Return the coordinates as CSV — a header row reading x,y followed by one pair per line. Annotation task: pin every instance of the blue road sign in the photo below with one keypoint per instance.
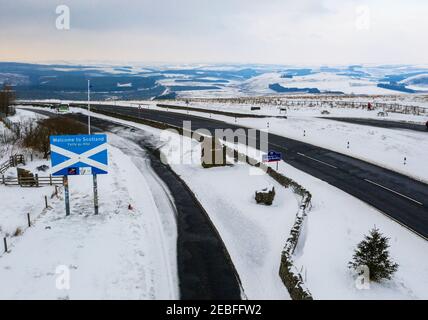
x,y
272,156
79,155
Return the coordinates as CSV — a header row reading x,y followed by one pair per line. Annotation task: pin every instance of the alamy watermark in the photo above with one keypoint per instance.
x,y
362,282
62,21
248,144
363,17
62,280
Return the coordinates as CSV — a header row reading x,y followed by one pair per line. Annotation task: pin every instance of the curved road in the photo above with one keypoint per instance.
x,y
382,123
403,199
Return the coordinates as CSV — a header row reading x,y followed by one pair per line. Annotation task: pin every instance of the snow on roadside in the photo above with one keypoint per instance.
x,y
24,116
115,255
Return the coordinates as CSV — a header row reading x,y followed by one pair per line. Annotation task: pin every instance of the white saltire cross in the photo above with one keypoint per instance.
x,y
83,157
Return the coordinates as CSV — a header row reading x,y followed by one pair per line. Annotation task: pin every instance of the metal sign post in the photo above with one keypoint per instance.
x,y
95,193
66,196
89,106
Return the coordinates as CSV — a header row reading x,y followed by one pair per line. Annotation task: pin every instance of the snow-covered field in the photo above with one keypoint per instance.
x,y
303,110
323,81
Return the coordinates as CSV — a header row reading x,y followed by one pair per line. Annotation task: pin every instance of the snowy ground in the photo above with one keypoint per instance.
x,y
119,254
24,116
323,81
18,202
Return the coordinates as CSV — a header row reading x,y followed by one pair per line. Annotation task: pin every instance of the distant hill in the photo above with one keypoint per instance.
x,y
69,81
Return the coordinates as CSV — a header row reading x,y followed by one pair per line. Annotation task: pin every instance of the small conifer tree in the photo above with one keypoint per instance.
x,y
373,253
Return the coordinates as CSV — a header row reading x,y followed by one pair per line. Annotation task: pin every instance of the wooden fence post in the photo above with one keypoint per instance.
x,y
50,179
46,202
37,179
28,219
5,244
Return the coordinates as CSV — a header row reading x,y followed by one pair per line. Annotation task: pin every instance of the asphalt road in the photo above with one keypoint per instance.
x,y
205,269
401,198
382,123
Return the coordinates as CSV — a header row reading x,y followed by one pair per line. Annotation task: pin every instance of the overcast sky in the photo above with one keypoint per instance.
x,y
303,32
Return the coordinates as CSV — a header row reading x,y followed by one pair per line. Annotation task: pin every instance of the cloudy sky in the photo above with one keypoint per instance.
x,y
304,32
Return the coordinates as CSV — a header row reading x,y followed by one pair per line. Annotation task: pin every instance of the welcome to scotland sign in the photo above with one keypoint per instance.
x,y
79,155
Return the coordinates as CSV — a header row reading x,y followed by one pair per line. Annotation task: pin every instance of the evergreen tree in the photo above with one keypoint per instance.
x,y
373,253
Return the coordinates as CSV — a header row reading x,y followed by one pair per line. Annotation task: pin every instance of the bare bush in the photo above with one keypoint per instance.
x,y
37,136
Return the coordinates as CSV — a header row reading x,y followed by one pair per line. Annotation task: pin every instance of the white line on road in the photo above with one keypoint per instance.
x,y
325,163
402,195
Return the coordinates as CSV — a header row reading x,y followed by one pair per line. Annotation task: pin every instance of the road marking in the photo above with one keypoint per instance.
x,y
325,163
402,195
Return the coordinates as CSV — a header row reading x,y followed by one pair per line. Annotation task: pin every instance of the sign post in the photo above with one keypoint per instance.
x,y
66,196
95,193
89,106
79,155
